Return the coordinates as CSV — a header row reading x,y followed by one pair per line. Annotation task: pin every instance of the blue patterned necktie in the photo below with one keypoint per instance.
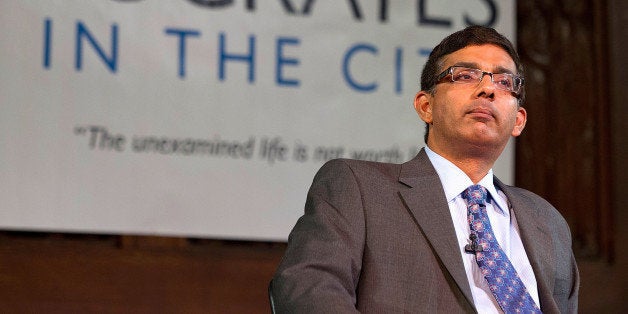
x,y
508,289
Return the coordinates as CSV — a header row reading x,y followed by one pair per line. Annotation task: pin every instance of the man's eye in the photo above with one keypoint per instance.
x,y
505,82
464,76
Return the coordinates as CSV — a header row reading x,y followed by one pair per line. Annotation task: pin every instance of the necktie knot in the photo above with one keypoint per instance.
x,y
475,194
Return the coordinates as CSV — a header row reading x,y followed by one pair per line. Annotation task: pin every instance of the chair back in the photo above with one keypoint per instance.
x,y
270,297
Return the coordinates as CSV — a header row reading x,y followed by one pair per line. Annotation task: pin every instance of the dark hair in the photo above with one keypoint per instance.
x,y
470,36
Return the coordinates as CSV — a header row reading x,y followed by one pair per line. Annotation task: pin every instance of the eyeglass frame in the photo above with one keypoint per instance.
x,y
515,78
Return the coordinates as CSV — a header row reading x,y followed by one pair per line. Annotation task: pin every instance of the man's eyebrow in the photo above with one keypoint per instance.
x,y
501,69
473,65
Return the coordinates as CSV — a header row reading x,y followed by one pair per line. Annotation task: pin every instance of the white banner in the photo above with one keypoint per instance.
x,y
206,118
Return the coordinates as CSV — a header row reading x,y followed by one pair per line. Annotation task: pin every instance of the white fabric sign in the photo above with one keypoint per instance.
x,y
206,118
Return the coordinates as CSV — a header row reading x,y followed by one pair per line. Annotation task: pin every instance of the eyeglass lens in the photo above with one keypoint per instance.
x,y
503,81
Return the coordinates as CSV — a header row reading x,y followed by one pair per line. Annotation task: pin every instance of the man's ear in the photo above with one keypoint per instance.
x,y
423,106
520,122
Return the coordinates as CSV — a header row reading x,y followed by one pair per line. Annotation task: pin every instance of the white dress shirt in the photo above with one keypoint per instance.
x,y
504,225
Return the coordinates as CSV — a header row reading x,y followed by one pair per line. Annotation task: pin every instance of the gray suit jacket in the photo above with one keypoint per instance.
x,y
378,238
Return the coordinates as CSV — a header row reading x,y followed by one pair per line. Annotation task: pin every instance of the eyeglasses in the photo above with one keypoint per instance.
x,y
502,81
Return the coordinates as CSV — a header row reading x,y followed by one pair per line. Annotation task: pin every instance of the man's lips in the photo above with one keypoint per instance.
x,y
481,113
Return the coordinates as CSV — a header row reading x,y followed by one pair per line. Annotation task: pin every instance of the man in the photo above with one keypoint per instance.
x,y
415,237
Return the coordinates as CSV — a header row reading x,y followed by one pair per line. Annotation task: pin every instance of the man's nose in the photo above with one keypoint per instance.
x,y
486,87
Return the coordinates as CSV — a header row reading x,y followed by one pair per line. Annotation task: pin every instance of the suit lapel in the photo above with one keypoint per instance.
x,y
427,203
536,238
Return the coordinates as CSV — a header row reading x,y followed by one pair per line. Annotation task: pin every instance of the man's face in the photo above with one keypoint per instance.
x,y
472,116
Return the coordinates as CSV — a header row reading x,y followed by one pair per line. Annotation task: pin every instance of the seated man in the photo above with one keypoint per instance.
x,y
439,233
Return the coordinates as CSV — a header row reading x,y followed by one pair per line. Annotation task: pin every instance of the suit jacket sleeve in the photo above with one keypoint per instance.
x,y
574,284
321,268
567,280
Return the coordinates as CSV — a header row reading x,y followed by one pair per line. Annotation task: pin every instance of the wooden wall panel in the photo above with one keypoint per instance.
x,y
574,149
563,154
52,273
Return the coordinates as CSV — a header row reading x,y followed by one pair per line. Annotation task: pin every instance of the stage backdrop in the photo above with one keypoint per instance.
x,y
206,118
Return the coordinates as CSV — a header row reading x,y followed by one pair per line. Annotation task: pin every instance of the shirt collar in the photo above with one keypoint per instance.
x,y
455,181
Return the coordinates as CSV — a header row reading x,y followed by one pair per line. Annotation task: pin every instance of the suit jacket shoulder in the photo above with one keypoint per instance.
x,y
374,237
